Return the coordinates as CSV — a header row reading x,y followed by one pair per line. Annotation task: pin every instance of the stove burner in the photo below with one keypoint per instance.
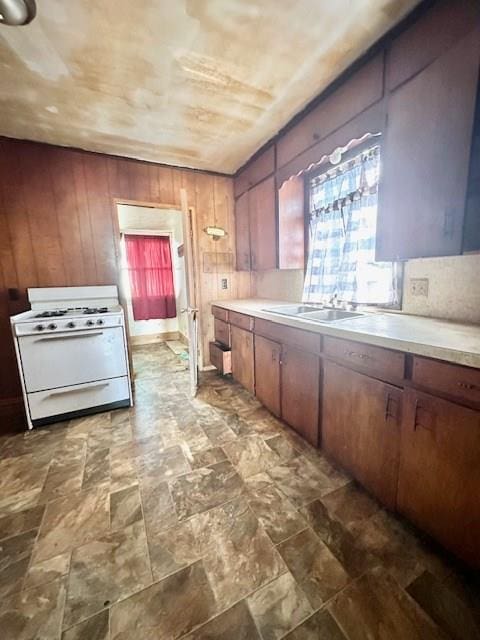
x,y
56,313
90,310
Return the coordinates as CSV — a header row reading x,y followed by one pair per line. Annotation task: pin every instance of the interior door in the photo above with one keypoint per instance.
x,y
191,310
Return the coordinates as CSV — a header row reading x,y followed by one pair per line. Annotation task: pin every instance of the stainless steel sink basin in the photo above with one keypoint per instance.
x,y
330,315
292,309
309,312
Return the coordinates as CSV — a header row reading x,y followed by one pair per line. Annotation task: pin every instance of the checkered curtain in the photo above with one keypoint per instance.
x,y
343,220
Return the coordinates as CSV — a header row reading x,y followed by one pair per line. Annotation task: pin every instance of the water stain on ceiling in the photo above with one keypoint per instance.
x,y
197,83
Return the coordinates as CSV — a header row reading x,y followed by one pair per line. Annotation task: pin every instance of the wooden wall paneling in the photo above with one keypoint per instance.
x,y
69,224
372,120
356,94
434,33
86,230
291,224
37,187
100,209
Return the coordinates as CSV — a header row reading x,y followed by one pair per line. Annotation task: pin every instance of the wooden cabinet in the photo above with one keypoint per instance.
x,y
361,428
291,224
255,228
242,233
256,171
267,373
243,358
222,332
263,226
439,475
300,385
426,157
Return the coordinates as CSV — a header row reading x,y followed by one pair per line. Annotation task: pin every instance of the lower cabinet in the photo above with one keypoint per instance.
x,y
439,475
243,357
361,428
267,373
300,384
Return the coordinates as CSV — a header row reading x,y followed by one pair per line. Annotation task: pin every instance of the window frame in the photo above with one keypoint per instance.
x,y
319,170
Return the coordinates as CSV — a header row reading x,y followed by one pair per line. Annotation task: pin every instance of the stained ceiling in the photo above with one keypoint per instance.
x,y
197,83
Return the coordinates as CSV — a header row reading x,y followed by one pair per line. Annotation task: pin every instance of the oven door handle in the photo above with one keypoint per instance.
x,y
62,392
69,336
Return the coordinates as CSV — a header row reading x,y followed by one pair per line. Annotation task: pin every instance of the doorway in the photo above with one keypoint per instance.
x,y
153,281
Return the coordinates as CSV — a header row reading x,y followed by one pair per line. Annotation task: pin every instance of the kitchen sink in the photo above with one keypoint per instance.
x,y
309,312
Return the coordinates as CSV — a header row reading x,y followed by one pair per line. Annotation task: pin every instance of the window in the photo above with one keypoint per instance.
x,y
342,229
150,274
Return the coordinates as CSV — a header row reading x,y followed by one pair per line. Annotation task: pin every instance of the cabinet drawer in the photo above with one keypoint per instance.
x,y
453,380
221,357
378,362
241,320
221,314
222,332
305,340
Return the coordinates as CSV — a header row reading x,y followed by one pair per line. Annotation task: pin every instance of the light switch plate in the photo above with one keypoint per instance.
x,y
224,283
419,287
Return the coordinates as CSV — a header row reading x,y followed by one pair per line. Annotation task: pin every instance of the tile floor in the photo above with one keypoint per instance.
x,y
207,519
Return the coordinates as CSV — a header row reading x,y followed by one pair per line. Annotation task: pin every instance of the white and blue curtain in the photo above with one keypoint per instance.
x,y
343,222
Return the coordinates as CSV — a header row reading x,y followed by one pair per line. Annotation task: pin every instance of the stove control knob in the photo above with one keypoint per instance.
x,y
39,327
100,321
70,325
90,323
52,326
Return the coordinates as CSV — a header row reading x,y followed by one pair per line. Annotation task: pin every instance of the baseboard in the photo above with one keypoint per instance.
x,y
183,338
136,341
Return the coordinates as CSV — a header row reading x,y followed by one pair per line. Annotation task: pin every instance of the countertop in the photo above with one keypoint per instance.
x,y
430,337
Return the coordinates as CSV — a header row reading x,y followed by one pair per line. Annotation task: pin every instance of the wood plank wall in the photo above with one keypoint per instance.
x,y
59,227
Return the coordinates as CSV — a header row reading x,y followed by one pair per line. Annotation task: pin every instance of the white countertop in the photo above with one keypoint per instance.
x,y
441,339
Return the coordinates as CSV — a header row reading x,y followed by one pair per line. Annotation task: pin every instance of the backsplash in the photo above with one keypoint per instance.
x,y
453,287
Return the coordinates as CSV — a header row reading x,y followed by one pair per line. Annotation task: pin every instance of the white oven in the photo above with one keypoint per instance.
x,y
72,353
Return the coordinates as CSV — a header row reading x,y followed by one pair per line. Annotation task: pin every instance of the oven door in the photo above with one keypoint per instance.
x,y
63,359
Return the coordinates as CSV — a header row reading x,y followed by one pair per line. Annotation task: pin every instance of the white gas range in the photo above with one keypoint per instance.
x,y
72,353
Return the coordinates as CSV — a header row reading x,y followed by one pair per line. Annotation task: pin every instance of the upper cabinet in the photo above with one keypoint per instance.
x,y
256,171
255,225
426,157
291,224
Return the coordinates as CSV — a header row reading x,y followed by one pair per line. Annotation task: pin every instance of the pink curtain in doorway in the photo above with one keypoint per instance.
x,y
149,263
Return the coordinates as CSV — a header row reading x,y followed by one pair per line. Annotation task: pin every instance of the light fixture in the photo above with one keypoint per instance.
x,y
16,13
215,232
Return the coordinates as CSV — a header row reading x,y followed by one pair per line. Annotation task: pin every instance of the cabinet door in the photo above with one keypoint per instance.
x,y
439,477
361,428
426,157
263,225
291,224
300,392
242,233
267,373
242,357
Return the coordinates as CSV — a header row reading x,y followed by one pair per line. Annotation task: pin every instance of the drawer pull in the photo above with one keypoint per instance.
x,y
416,423
467,385
388,413
354,354
63,392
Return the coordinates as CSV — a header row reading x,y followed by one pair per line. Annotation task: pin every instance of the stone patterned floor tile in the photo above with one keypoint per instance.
x,y
234,624
15,555
21,521
97,467
351,505
374,606
218,432
34,614
173,549
95,628
47,571
21,482
205,488
279,607
120,563
125,507
250,455
158,509
320,626
317,571
300,480
62,481
282,447
208,457
72,521
278,516
445,607
166,610
165,465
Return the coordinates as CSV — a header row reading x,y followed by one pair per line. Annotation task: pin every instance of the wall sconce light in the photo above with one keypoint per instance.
x,y
216,233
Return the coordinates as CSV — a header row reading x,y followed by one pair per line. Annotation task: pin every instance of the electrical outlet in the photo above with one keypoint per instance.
x,y
224,283
419,287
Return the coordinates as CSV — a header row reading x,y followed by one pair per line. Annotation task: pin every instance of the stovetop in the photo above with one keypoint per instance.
x,y
58,313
